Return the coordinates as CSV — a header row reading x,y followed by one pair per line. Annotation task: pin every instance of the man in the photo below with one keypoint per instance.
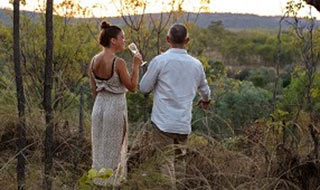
x,y
174,77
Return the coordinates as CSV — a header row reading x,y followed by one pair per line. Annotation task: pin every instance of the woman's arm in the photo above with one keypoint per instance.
x,y
92,82
130,82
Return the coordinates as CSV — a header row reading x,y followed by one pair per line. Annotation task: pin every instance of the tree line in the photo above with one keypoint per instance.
x,y
51,57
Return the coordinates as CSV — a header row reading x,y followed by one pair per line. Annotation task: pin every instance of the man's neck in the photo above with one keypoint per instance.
x,y
178,46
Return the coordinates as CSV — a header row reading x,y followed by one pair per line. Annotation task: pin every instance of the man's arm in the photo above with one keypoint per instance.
x,y
204,89
149,79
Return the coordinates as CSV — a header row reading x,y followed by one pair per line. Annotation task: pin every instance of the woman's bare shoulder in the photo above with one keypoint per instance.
x,y
94,59
121,62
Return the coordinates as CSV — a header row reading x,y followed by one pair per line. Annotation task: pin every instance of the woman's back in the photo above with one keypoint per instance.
x,y
105,75
102,65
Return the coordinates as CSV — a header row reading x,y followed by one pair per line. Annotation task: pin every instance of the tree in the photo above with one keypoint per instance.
x,y
315,3
142,29
48,144
21,130
133,13
306,75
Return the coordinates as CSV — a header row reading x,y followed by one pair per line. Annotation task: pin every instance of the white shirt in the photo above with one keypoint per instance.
x,y
174,77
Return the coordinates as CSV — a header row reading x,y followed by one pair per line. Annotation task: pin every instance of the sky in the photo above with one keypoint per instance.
x,y
258,7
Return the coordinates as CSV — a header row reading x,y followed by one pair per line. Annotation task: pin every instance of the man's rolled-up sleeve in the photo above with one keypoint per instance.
x,y
149,79
204,89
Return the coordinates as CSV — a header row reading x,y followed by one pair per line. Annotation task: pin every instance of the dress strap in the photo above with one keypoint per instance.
x,y
113,65
112,70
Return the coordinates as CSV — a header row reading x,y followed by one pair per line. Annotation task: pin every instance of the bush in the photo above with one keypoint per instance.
x,y
286,75
235,107
295,93
261,76
218,68
244,74
244,105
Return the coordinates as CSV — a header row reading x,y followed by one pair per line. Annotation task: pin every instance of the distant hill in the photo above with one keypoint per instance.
x,y
230,21
3,16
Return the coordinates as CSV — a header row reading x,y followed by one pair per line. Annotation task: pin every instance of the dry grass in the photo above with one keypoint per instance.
x,y
255,160
68,149
250,161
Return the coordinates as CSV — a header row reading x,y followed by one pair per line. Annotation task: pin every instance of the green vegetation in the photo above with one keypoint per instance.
x,y
250,138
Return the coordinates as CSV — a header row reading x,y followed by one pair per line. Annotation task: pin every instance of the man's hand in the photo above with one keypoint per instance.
x,y
204,104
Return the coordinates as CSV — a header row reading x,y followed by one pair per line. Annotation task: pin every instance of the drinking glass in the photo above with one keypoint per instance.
x,y
133,48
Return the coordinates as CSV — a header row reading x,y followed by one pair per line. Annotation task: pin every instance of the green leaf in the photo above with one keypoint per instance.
x,y
85,182
83,179
85,187
105,174
92,173
315,93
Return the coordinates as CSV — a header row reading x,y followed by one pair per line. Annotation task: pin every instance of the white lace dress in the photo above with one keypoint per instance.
x,y
109,128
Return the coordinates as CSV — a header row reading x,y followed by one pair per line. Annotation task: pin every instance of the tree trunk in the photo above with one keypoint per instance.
x,y
279,52
21,143
48,143
81,136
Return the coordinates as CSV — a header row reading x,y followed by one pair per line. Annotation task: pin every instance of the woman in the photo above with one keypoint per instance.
x,y
109,81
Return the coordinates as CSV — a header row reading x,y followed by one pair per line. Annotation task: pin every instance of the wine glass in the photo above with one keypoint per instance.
x,y
133,48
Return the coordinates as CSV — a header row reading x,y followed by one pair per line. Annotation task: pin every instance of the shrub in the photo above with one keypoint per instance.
x,y
235,107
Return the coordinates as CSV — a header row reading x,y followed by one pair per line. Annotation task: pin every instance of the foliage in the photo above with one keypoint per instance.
x,y
74,49
236,106
260,77
265,77
136,104
219,69
294,94
241,114
294,6
71,8
286,75
257,48
86,181
198,45
23,2
244,105
215,33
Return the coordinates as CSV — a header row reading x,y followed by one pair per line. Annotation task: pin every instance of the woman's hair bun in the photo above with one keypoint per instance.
x,y
104,25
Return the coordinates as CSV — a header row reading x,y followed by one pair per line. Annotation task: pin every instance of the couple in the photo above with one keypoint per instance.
x,y
174,77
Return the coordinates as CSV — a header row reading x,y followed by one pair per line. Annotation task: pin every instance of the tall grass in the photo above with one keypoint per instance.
x,y
254,159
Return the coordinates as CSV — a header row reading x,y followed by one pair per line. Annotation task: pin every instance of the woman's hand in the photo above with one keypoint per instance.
x,y
137,59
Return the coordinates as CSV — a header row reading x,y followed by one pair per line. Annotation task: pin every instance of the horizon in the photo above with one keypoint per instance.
x,y
233,13
109,8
